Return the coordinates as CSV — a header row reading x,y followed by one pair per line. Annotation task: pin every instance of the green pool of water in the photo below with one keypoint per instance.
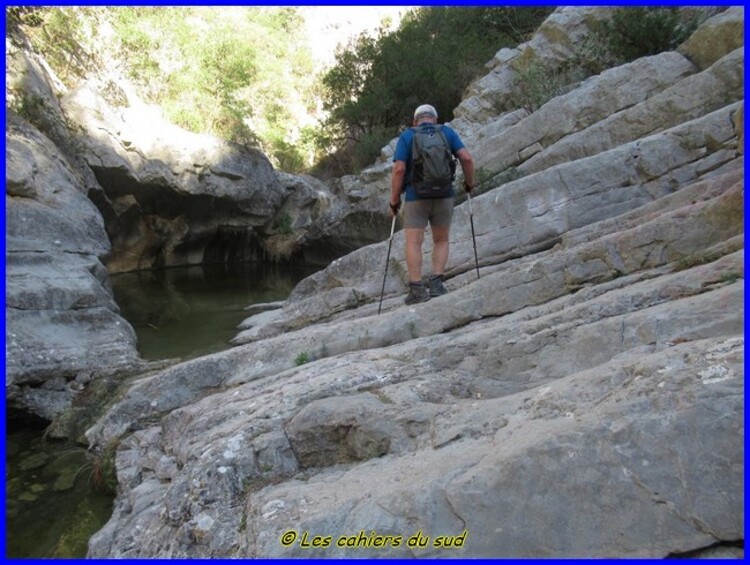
x,y
193,311
51,507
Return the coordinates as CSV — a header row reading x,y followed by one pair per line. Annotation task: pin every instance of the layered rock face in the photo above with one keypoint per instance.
x,y
91,190
583,398
63,326
170,197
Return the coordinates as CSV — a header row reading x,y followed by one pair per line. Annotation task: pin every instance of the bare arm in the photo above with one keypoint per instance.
x,y
467,165
397,183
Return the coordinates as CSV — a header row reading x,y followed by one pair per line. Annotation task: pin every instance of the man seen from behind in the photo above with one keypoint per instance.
x,y
425,205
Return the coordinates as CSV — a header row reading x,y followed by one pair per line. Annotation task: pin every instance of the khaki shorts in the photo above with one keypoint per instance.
x,y
436,211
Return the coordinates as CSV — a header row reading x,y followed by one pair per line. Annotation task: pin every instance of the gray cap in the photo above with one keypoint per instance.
x,y
425,110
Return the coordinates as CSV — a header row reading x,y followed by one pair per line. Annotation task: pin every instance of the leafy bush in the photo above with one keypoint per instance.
x,y
30,107
60,34
538,82
137,43
189,61
636,32
369,146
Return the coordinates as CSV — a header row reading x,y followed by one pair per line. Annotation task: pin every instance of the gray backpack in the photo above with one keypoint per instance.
x,y
433,164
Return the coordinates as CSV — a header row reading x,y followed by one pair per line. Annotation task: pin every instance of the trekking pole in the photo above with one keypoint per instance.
x,y
387,259
473,237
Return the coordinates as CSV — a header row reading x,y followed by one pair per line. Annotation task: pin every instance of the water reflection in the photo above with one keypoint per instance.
x,y
191,311
51,507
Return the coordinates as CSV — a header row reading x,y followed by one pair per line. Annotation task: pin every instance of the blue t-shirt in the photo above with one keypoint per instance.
x,y
403,153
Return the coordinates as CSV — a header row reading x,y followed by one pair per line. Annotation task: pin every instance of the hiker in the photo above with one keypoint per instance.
x,y
423,148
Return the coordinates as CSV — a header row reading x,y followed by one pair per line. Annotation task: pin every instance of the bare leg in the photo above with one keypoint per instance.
x,y
414,239
440,236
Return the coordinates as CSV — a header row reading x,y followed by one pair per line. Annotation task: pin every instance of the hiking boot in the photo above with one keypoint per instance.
x,y
417,293
437,288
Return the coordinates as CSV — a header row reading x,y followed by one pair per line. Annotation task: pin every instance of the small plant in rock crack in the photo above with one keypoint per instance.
x,y
284,224
103,470
302,358
382,396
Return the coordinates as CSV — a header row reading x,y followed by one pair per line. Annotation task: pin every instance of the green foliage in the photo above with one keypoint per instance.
x,y
369,145
103,470
29,106
62,35
379,79
283,224
302,358
197,63
242,74
538,82
17,16
635,32
137,43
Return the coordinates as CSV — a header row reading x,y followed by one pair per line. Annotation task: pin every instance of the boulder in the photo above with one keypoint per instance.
x,y
341,430
32,90
716,37
358,216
